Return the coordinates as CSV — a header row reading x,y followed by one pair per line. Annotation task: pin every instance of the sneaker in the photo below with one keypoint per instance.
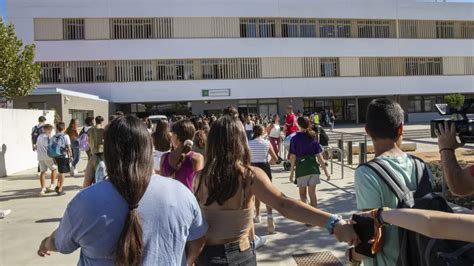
x,y
257,219
270,225
4,213
50,189
42,191
259,242
76,173
60,193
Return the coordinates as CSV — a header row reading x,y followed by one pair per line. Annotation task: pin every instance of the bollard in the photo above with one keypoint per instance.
x,y
349,152
362,153
340,145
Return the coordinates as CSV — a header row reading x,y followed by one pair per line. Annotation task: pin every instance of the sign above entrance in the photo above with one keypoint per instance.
x,y
216,93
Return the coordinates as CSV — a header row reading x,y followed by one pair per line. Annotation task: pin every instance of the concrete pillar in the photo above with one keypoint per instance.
x,y
357,109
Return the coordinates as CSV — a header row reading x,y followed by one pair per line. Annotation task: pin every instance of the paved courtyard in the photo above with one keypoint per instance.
x,y
34,216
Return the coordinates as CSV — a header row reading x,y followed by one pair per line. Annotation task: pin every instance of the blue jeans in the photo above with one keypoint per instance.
x,y
228,254
76,153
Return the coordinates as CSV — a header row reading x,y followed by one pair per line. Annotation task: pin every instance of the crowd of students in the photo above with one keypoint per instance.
x,y
190,192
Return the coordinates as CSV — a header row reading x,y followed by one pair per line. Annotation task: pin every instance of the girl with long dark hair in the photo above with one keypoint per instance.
x,y
132,218
306,158
161,142
225,189
72,132
182,163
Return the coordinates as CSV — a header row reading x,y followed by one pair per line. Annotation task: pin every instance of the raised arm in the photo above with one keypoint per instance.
x,y
459,180
296,210
432,223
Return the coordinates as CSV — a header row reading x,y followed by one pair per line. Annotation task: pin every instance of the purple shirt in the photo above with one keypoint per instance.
x,y
301,145
185,174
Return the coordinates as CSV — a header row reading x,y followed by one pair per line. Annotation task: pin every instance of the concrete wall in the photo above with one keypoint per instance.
x,y
99,107
63,103
16,152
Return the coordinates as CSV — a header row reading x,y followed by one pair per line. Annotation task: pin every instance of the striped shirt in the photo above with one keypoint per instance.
x,y
259,150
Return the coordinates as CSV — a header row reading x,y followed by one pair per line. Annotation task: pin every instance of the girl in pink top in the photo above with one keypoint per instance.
x,y
181,163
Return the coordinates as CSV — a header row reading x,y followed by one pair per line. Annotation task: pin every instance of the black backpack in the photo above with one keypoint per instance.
x,y
37,130
417,249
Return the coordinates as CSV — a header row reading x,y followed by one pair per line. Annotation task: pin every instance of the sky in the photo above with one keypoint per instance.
x,y
3,9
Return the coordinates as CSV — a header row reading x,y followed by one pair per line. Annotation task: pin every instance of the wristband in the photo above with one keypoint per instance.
x,y
331,223
379,216
446,149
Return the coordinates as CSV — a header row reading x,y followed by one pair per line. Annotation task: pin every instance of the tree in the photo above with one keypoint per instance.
x,y
455,101
19,74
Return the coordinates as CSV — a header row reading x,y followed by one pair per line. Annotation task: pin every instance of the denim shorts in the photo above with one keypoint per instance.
x,y
228,254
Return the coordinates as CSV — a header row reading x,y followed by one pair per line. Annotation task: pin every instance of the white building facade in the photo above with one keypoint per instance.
x,y
169,56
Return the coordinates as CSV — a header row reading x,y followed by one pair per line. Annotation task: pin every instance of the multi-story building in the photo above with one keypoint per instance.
x,y
200,56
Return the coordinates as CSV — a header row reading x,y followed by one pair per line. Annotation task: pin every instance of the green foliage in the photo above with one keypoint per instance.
x,y
19,74
454,101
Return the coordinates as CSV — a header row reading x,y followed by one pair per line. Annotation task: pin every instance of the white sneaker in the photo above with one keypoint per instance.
x,y
257,219
50,188
76,172
270,225
42,191
4,213
259,242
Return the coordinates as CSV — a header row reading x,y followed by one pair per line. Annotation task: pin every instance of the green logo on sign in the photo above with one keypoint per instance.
x,y
205,93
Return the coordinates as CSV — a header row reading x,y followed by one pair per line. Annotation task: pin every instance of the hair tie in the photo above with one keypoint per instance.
x,y
132,207
188,142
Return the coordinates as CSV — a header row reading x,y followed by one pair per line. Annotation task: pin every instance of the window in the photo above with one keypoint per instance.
x,y
429,66
467,30
381,66
51,72
132,70
408,29
212,69
444,29
414,104
37,105
425,103
78,72
334,28
373,29
175,70
81,115
253,27
184,70
298,28
132,28
73,29
328,67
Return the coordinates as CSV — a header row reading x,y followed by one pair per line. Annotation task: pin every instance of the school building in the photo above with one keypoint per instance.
x,y
163,56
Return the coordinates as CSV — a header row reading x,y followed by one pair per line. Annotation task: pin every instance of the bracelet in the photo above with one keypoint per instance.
x,y
379,216
331,223
446,149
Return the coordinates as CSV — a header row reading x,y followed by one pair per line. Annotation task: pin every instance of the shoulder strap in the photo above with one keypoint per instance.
x,y
386,174
423,178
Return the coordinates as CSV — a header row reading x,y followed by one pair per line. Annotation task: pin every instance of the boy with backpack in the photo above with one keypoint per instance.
x,y
60,150
44,161
36,131
385,126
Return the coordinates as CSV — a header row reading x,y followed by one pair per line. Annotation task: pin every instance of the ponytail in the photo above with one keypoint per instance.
x,y
304,124
128,157
187,147
310,133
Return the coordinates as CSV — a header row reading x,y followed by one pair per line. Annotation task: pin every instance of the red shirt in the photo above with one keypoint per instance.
x,y
290,123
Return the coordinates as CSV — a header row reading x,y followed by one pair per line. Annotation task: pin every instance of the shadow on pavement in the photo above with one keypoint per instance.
x,y
32,193
49,220
297,236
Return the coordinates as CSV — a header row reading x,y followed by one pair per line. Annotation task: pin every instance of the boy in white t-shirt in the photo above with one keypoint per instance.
x,y
44,161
